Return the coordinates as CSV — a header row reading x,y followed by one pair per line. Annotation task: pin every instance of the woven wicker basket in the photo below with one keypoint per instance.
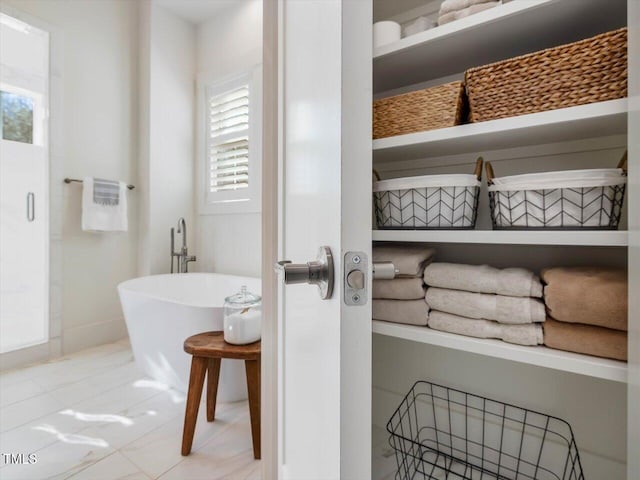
x,y
428,109
588,71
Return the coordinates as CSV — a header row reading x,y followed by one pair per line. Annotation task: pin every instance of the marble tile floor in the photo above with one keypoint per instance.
x,y
383,464
94,416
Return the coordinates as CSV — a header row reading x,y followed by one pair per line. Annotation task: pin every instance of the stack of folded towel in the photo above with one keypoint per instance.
x,y
588,310
401,300
451,10
485,302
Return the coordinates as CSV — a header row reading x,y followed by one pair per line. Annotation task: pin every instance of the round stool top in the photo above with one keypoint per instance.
x,y
212,344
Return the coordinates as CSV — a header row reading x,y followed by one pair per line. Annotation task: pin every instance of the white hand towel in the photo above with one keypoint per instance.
x,y
513,282
458,5
519,334
453,6
503,309
465,12
104,205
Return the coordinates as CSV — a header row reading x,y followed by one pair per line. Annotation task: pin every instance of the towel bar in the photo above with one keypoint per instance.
x,y
69,180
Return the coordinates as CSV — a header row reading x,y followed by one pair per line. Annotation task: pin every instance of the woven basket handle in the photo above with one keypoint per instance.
x,y
490,174
376,175
478,171
623,162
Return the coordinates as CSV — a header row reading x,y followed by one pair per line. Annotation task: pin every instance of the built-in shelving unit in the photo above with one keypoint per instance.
x,y
585,136
540,356
574,123
446,51
592,238
454,47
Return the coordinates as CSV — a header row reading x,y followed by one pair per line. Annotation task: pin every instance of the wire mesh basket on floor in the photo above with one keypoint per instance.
x,y
442,433
428,202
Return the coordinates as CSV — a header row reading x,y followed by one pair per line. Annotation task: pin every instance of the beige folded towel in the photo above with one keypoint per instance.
x,y
399,289
530,334
503,309
409,259
588,295
587,339
465,12
513,282
410,312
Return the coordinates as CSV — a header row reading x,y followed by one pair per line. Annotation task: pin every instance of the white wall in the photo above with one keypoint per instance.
x,y
230,43
98,138
167,90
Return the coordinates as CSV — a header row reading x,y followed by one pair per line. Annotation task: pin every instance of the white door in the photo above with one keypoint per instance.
x,y
24,173
324,199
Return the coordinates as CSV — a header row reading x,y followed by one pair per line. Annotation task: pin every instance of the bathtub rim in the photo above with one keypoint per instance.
x,y
126,287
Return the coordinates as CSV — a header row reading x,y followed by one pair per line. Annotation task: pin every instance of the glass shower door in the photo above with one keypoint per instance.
x,y
24,165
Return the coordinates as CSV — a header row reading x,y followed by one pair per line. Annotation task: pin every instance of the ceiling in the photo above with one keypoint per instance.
x,y
196,11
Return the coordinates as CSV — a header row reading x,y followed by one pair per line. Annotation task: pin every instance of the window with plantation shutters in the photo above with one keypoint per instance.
x,y
229,140
230,146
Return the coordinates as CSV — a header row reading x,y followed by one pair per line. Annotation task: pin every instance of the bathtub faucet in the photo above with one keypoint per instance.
x,y
182,256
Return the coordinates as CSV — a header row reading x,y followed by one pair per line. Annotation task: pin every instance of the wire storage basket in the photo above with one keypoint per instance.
x,y
571,200
428,202
442,433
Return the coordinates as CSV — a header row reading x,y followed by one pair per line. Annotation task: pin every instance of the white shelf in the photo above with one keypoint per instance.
x,y
539,356
574,123
595,238
512,29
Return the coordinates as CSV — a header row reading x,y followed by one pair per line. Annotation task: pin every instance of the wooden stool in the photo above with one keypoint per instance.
x,y
207,350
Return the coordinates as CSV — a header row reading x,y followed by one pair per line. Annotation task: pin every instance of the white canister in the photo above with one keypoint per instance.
x,y
242,318
386,32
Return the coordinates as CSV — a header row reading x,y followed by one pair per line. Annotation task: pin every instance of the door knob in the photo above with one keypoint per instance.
x,y
318,272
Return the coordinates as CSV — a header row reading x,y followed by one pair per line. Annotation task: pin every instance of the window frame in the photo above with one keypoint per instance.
x,y
245,200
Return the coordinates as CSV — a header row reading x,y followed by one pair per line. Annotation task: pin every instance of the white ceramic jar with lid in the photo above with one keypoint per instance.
x,y
242,317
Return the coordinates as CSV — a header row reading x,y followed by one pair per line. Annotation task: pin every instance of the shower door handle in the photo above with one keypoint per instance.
x,y
31,207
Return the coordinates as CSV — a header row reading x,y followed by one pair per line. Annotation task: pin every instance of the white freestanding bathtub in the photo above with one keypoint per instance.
x,y
161,311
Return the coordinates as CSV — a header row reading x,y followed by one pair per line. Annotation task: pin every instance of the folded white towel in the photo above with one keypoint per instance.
x,y
104,205
519,334
513,282
503,309
465,12
457,5
410,312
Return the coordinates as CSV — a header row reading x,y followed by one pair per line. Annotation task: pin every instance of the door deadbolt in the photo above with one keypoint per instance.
x,y
318,272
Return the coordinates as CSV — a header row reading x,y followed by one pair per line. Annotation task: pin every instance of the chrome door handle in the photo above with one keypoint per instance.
x,y
31,207
319,272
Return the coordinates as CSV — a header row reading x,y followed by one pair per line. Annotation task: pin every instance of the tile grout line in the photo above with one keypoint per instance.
x,y
182,459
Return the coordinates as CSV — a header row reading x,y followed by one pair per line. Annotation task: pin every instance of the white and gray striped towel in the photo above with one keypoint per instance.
x,y
106,192
104,205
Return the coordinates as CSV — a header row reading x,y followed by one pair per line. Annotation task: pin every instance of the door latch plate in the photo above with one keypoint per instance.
x,y
356,280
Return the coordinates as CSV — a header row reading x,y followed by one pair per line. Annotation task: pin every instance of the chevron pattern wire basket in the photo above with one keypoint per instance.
x,y
428,202
588,206
597,208
427,208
